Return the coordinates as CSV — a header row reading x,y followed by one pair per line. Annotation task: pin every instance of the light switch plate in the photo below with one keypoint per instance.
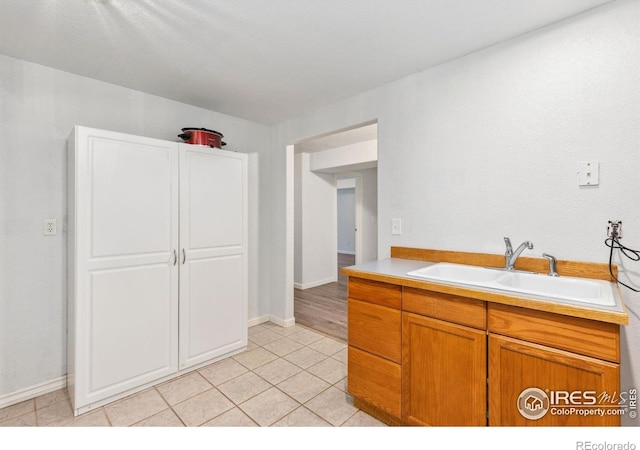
x,y
588,173
396,226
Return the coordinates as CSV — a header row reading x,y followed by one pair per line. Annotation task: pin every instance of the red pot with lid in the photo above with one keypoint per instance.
x,y
202,136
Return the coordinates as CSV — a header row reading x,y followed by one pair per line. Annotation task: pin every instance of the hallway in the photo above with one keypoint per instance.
x,y
324,308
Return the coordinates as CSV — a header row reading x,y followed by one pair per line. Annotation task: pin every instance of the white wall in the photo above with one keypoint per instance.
x,y
346,219
298,203
486,146
316,243
348,157
38,108
369,220
345,183
369,226
315,217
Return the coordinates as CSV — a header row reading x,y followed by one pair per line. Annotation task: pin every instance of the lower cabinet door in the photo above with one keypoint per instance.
x,y
444,376
213,318
375,380
535,385
129,333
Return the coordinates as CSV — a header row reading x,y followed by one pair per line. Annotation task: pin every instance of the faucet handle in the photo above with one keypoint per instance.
x,y
552,264
507,242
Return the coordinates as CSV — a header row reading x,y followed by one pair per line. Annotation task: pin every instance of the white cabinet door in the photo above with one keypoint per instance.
x,y
213,256
124,323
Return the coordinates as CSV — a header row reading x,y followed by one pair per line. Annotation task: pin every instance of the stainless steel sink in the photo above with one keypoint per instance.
x,y
572,289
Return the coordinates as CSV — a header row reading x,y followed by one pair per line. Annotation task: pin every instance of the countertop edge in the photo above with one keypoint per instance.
x,y
615,317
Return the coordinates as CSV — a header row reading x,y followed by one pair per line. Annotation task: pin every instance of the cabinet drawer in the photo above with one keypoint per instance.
x,y
375,380
375,328
460,310
383,294
582,336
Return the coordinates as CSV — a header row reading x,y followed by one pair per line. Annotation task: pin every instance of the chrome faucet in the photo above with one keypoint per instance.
x,y
552,264
510,256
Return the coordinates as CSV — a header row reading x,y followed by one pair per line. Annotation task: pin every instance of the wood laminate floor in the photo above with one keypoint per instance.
x,y
324,308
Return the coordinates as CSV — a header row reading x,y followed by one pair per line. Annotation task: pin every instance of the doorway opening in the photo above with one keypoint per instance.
x,y
346,224
334,223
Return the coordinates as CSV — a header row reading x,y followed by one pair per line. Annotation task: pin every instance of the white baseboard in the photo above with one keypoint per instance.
x,y
283,322
274,319
258,320
61,382
313,284
33,391
345,252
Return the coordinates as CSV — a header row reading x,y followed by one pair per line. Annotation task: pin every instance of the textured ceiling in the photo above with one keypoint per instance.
x,y
262,60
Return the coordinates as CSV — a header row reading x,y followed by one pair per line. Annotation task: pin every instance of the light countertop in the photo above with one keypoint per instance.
x,y
394,271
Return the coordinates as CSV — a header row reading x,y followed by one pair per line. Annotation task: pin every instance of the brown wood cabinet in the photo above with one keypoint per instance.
x,y
375,329
421,357
375,380
374,352
572,362
515,366
444,373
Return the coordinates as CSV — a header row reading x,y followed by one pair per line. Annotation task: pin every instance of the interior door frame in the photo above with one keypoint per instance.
x,y
289,252
359,199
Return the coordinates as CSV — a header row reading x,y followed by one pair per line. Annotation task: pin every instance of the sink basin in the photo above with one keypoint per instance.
x,y
572,289
578,289
459,273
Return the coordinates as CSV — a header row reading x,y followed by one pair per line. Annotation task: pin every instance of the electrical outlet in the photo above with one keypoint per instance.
x,y
50,227
615,226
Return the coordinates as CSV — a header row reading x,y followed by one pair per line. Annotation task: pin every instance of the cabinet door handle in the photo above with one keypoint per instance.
x,y
175,256
184,256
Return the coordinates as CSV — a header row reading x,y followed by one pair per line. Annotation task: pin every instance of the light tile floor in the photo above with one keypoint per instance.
x,y
287,377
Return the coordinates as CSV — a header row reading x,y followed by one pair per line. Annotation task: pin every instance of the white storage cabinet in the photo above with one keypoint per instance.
x,y
157,261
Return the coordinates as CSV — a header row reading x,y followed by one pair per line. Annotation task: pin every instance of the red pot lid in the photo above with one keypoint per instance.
x,y
205,130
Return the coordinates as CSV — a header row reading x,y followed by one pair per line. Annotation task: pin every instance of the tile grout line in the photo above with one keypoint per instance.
x,y
171,407
275,385
303,369
330,385
269,328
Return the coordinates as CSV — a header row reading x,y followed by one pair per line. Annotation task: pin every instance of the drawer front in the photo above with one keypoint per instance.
x,y
375,328
582,336
383,294
460,310
375,380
